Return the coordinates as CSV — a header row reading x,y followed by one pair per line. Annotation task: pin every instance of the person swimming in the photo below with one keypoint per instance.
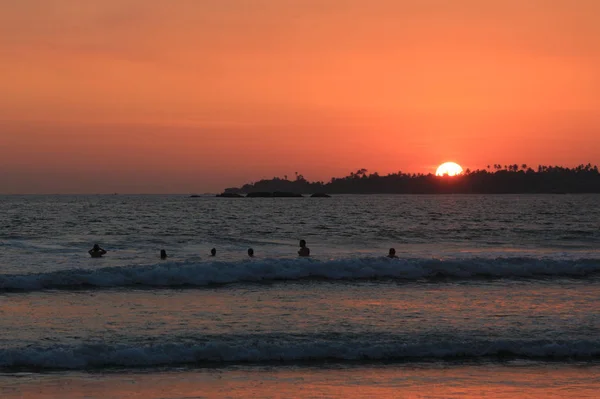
x,y
392,253
304,250
96,252
163,254
213,252
250,252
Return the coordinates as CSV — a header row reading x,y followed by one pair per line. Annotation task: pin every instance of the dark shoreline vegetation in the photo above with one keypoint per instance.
x,y
496,179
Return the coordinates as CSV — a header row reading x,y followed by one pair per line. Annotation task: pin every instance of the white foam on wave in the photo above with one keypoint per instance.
x,y
174,274
219,352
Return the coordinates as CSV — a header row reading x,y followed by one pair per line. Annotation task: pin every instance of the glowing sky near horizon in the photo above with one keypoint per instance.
x,y
130,96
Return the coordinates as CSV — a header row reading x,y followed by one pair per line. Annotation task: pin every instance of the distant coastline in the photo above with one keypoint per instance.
x,y
496,179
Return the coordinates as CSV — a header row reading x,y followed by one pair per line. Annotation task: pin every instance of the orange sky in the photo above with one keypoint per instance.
x,y
183,96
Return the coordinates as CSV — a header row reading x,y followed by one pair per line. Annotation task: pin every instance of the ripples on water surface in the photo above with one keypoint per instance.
x,y
484,285
42,233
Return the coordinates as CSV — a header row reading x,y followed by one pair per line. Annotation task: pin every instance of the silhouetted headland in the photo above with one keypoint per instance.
x,y
496,179
261,194
230,195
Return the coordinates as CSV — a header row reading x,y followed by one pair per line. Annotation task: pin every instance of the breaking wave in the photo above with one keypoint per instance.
x,y
309,349
199,274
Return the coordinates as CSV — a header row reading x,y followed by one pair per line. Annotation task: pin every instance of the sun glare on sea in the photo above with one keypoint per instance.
x,y
449,168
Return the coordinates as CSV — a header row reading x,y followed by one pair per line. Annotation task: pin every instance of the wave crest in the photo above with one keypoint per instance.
x,y
265,351
199,274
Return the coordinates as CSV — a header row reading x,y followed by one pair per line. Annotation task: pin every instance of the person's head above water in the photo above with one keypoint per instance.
x,y
304,251
96,251
163,254
213,252
392,253
250,252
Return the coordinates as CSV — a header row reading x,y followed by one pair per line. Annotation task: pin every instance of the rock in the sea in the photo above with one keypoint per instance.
x,y
286,194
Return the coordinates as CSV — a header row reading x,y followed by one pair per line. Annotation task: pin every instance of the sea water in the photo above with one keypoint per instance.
x,y
491,295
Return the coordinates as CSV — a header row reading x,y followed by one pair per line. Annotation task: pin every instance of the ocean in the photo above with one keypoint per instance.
x,y
490,296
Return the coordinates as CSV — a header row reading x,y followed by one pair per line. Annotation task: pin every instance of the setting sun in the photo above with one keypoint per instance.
x,y
449,168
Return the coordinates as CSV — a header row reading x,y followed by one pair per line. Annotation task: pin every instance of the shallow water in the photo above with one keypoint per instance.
x,y
502,381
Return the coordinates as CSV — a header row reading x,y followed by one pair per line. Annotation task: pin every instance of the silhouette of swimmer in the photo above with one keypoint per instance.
x,y
304,250
213,252
163,254
96,252
250,252
392,253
